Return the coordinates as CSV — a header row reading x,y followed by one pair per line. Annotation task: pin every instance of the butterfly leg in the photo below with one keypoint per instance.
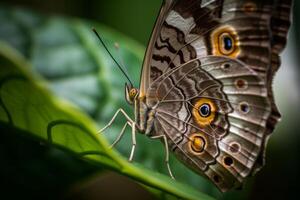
x,y
120,110
167,152
120,134
129,122
133,141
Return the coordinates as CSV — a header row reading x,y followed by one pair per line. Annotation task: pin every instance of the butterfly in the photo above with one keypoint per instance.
x,y
206,85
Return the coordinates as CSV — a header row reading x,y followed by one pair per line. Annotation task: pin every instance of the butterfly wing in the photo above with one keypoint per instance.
x,y
146,73
231,135
213,36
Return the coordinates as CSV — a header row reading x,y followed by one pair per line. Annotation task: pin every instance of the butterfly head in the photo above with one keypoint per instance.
x,y
131,93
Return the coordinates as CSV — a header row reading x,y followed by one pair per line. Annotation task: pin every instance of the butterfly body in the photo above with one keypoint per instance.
x,y
206,84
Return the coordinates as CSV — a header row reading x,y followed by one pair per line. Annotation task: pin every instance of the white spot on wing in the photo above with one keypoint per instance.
x,y
186,25
183,114
176,20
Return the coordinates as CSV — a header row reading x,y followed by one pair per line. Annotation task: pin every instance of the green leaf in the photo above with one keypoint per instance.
x,y
27,104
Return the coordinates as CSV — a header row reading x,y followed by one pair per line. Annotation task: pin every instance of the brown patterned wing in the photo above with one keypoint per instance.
x,y
234,47
146,73
225,144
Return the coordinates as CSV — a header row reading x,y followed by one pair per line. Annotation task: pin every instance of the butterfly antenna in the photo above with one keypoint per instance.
x,y
122,63
119,66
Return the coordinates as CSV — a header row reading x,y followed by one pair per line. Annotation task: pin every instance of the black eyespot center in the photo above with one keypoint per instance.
x,y
226,66
244,107
228,161
227,42
217,178
205,110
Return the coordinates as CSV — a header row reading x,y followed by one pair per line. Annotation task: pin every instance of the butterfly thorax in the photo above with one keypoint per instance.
x,y
143,115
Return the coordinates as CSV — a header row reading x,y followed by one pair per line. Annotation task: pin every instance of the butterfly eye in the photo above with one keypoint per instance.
x,y
204,110
132,92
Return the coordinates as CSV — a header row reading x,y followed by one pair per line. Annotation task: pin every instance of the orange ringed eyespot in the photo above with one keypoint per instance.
x,y
197,143
225,42
204,111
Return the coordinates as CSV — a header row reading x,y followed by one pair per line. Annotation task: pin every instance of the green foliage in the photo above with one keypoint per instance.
x,y
55,61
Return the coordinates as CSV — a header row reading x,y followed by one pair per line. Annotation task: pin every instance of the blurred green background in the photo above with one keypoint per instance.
x,y
33,171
